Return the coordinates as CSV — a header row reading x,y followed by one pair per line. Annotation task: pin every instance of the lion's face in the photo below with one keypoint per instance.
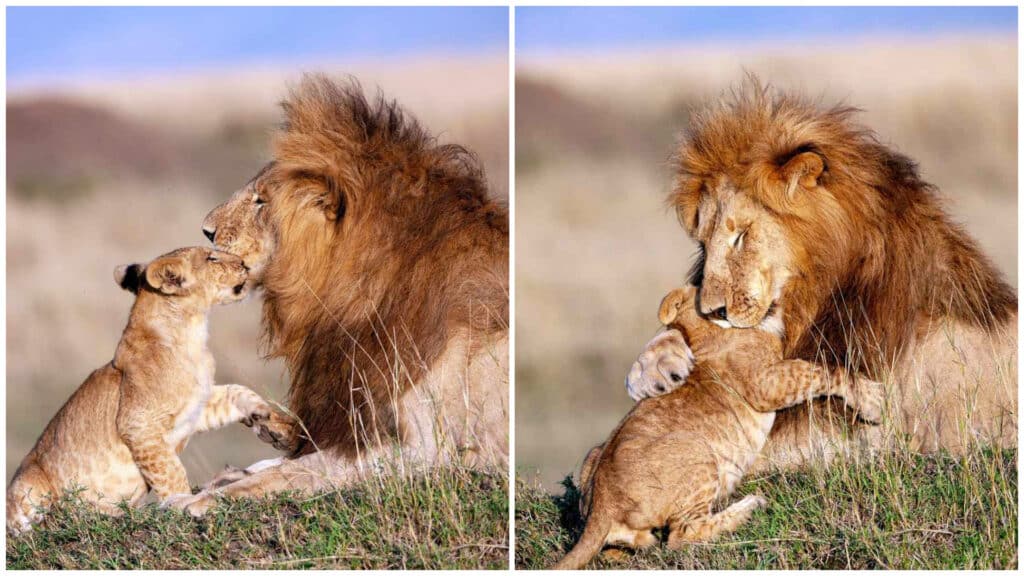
x,y
241,226
745,258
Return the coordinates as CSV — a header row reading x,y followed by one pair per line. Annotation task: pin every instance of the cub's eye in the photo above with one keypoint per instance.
x,y
259,201
738,242
212,259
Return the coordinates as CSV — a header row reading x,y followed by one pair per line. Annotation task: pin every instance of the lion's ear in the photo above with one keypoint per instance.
x,y
129,277
802,170
333,201
169,275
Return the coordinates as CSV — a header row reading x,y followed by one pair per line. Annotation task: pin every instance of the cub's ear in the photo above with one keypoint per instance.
x,y
128,277
673,302
169,275
802,169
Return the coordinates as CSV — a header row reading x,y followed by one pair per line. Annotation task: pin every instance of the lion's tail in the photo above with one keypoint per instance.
x,y
594,535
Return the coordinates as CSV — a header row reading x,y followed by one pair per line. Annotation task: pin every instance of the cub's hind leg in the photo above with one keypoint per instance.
x,y
623,535
156,459
30,491
710,527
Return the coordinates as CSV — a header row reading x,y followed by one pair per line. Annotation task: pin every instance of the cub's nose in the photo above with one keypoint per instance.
x,y
210,233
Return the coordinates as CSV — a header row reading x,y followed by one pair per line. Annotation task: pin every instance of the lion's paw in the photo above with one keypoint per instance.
x,y
228,475
177,501
200,504
662,367
197,505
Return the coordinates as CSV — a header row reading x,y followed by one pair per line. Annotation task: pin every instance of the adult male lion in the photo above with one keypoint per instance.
x,y
808,225
385,275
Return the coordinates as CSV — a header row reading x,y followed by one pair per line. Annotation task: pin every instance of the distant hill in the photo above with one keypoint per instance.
x,y
60,141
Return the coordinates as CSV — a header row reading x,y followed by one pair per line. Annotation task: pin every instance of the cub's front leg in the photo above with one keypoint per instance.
x,y
667,359
155,457
791,382
230,403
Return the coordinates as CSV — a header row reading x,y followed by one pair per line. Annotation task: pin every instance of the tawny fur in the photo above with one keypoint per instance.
x,y
861,267
675,458
243,224
120,433
388,274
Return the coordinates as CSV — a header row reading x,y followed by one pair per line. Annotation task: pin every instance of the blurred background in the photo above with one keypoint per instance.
x,y
601,94
125,126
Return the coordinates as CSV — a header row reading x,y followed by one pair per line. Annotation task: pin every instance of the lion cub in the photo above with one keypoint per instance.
x,y
120,433
674,457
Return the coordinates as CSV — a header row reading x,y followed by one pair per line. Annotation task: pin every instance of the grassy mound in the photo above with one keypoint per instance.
x,y
900,511
448,519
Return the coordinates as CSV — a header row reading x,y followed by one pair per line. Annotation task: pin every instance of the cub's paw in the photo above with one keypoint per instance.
x,y
615,555
279,430
868,399
661,368
257,412
752,502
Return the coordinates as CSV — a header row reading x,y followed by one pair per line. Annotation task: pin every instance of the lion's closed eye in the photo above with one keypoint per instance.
x,y
737,243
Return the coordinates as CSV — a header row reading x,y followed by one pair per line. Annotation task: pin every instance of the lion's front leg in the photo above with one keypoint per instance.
x,y
305,474
322,470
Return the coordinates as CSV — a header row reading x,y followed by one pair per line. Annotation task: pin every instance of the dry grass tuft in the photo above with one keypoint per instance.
x,y
446,519
902,511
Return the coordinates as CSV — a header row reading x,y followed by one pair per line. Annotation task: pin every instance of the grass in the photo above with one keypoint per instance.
x,y
447,519
901,511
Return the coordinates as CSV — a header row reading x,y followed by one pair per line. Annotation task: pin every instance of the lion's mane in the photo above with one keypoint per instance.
x,y
360,304
878,260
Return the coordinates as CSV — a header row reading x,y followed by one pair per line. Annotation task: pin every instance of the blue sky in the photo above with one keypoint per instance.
x,y
48,43
551,29
52,42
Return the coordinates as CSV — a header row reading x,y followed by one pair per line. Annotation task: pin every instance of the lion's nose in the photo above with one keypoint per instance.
x,y
210,233
719,313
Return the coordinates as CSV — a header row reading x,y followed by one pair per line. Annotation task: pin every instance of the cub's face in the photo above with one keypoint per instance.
x,y
241,226
199,275
708,339
745,259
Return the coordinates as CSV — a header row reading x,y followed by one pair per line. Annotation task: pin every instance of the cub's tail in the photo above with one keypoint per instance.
x,y
591,542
